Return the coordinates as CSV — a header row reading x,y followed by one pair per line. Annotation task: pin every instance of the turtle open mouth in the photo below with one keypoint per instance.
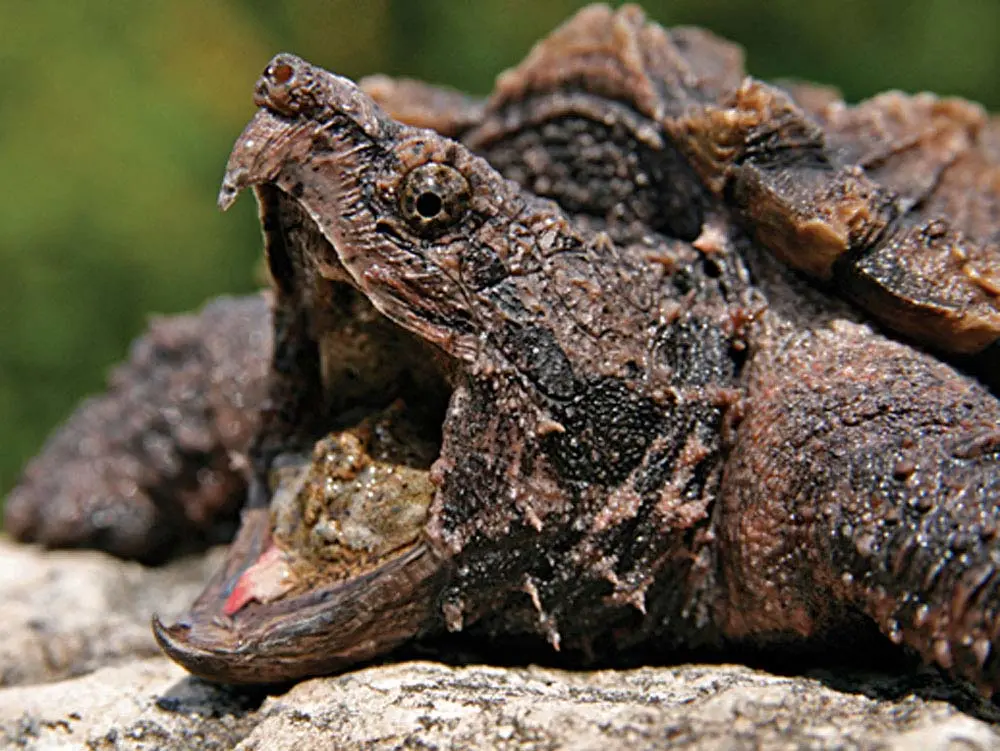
x,y
330,566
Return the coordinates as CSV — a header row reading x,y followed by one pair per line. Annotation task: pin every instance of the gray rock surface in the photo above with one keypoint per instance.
x,y
65,613
142,704
422,705
74,638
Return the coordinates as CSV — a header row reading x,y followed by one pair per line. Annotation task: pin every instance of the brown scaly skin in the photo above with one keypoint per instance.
x,y
157,465
655,432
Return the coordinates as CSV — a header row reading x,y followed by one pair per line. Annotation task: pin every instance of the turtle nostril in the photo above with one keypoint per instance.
x,y
279,88
282,73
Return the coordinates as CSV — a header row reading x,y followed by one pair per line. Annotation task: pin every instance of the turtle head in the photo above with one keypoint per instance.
x,y
412,219
334,563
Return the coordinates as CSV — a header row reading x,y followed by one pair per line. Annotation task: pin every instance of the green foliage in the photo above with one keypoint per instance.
x,y
116,119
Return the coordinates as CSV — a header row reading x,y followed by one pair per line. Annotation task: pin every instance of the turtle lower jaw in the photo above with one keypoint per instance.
x,y
320,631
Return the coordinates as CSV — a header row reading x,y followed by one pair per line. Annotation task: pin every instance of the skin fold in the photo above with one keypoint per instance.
x,y
638,351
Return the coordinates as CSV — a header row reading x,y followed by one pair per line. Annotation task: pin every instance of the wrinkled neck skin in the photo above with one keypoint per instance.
x,y
591,382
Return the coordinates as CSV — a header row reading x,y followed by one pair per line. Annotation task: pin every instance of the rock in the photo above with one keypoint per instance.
x,y
424,705
144,704
84,614
65,613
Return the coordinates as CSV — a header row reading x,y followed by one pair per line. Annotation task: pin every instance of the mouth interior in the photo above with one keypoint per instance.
x,y
355,494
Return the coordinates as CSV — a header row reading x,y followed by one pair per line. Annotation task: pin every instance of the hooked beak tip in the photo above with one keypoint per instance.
x,y
166,636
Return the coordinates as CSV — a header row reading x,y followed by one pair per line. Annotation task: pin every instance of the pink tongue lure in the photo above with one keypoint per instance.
x,y
265,581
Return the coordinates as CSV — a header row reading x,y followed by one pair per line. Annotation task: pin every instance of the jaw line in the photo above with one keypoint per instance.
x,y
316,633
266,157
263,151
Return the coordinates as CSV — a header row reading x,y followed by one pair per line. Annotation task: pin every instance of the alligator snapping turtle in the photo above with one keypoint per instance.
x,y
637,351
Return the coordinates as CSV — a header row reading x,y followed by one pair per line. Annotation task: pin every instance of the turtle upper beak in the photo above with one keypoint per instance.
x,y
265,145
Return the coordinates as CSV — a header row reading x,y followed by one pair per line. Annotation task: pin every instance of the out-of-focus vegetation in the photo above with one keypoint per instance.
x,y
116,119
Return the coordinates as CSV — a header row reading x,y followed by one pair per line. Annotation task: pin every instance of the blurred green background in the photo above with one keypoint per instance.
x,y
116,119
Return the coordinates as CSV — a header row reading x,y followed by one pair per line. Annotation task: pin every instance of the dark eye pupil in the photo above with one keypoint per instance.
x,y
433,198
429,205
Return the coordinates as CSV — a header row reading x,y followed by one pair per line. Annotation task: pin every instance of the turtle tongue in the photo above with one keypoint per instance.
x,y
266,580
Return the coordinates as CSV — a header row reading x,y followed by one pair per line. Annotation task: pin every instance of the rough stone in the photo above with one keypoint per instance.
x,y
65,613
424,705
143,704
75,637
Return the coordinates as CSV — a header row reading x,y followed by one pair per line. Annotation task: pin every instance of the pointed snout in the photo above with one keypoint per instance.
x,y
298,102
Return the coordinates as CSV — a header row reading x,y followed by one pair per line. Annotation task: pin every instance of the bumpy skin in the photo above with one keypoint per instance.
x,y
658,431
157,464
864,478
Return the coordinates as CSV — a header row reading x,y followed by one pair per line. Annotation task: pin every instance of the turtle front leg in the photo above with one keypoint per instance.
x,y
865,481
157,463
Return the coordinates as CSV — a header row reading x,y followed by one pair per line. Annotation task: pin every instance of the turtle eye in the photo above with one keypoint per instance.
x,y
433,197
